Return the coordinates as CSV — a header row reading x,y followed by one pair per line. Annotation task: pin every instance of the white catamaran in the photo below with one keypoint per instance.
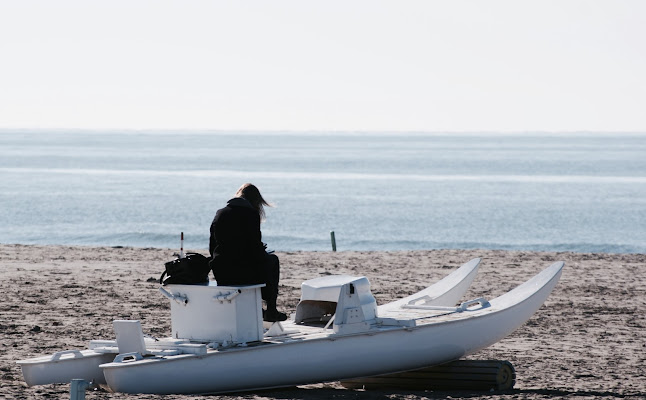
x,y
219,343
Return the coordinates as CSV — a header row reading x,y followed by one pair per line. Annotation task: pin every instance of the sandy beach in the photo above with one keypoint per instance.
x,y
587,341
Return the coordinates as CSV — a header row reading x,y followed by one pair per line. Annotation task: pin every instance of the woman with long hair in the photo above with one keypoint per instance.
x,y
239,256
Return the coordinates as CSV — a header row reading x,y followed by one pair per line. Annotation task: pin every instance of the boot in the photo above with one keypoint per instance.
x,y
272,314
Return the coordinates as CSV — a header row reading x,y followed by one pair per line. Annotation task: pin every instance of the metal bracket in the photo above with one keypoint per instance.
x,y
179,299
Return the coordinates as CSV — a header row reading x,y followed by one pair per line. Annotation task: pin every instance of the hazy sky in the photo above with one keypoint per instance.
x,y
327,65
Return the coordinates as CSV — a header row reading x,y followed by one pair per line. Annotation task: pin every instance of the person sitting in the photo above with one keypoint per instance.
x,y
238,255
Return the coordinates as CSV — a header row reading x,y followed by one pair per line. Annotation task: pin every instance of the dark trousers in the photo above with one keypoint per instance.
x,y
272,271
268,273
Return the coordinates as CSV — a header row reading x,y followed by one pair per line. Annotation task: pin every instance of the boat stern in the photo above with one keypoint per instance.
x,y
63,366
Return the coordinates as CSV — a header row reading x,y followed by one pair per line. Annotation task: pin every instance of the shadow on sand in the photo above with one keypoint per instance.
x,y
300,393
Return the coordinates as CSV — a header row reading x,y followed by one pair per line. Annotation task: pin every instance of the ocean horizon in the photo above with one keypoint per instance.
x,y
579,191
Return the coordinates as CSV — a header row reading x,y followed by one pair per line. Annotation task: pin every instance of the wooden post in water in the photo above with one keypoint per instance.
x,y
181,246
333,240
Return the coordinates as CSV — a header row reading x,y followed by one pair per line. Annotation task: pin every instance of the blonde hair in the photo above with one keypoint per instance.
x,y
251,193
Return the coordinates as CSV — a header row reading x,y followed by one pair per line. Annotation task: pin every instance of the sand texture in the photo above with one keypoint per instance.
x,y
587,341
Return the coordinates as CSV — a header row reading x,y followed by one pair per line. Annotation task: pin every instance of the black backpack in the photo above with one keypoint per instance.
x,y
190,270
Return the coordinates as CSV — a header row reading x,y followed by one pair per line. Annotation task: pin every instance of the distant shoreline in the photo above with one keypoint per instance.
x,y
206,251
195,131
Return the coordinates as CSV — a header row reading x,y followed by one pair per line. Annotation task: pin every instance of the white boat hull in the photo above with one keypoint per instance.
x,y
63,366
446,292
293,361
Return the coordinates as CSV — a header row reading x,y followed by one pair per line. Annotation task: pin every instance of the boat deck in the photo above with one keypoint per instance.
x,y
388,320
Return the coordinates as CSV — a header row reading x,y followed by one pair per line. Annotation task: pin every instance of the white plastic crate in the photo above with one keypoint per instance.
x,y
211,313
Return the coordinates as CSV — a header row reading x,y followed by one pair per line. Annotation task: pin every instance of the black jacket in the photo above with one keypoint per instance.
x,y
236,247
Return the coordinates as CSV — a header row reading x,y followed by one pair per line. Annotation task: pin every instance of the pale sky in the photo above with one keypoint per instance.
x,y
326,65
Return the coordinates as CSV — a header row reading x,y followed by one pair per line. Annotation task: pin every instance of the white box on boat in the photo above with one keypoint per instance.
x,y
212,313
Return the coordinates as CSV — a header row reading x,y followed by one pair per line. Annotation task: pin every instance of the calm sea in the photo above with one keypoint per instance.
x,y
377,191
